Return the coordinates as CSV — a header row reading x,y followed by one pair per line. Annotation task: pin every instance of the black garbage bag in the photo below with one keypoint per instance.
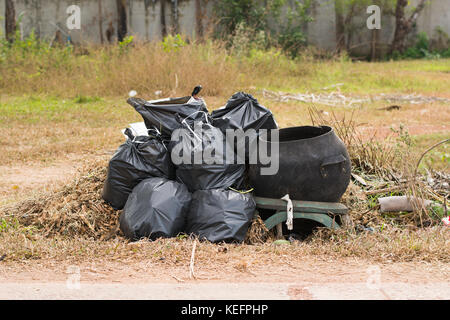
x,y
212,176
220,215
243,111
138,158
161,114
189,153
156,208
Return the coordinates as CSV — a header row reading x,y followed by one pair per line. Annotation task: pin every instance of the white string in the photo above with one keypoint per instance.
x,y
290,212
192,131
204,113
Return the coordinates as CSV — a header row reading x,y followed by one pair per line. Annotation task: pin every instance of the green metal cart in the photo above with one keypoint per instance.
x,y
324,213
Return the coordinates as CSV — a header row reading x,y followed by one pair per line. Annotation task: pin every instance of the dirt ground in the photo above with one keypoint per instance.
x,y
314,278
16,180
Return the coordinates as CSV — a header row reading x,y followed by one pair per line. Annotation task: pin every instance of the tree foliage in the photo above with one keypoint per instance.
x,y
279,22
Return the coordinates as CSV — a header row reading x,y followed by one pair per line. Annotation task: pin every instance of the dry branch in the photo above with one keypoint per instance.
x,y
337,99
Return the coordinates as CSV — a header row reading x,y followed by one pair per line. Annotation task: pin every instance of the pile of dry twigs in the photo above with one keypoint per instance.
x,y
336,98
76,209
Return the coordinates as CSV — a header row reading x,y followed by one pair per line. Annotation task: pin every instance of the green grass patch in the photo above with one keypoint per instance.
x,y
91,111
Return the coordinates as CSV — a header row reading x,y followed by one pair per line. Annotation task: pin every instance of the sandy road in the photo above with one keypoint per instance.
x,y
313,279
226,291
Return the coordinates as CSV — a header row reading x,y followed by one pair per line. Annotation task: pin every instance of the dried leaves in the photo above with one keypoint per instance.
x,y
76,209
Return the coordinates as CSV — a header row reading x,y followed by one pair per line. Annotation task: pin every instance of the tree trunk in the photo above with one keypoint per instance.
x,y
175,24
344,19
10,20
100,20
340,25
163,18
404,25
199,18
122,21
374,44
348,28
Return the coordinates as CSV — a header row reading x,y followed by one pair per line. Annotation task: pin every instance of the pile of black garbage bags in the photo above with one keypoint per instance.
x,y
163,198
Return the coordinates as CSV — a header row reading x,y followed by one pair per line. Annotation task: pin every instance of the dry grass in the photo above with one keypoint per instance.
x,y
75,210
367,153
258,232
381,167
42,129
109,71
388,245
147,67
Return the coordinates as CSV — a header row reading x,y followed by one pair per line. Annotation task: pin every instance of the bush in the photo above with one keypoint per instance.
x,y
257,24
421,50
173,43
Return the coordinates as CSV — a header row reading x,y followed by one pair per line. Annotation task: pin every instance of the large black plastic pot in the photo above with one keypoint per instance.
x,y
314,165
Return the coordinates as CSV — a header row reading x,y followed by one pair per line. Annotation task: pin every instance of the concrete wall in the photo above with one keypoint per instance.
x,y
42,16
144,20
321,31
435,14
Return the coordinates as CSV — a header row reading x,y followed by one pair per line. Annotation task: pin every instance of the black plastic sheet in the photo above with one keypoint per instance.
x,y
161,114
156,208
135,160
220,215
